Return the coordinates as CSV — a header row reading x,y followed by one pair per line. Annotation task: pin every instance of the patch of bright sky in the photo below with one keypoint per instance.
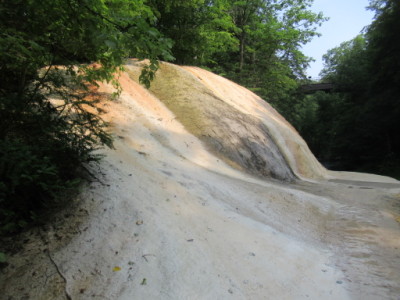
x,y
347,18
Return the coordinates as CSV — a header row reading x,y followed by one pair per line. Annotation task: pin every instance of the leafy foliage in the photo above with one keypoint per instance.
x,y
270,34
47,84
199,28
356,128
253,42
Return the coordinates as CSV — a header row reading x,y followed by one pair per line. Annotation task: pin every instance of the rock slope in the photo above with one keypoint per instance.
x,y
187,206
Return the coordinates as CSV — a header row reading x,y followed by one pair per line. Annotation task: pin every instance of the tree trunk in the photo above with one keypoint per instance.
x,y
242,41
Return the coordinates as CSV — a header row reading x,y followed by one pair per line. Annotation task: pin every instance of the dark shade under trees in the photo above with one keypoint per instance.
x,y
357,126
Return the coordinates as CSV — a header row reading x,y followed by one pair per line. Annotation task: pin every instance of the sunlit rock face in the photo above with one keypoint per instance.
x,y
235,124
167,219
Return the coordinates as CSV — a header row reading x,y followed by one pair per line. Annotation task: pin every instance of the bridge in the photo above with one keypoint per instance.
x,y
315,87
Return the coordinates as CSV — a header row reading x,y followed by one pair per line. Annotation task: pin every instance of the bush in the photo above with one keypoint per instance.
x,y
41,150
47,133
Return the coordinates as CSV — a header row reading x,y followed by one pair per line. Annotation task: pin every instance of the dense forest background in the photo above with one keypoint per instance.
x,y
47,47
356,127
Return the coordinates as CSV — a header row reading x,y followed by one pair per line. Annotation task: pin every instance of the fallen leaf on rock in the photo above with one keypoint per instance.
x,y
116,269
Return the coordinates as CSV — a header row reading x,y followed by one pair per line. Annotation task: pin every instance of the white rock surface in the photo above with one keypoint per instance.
x,y
174,221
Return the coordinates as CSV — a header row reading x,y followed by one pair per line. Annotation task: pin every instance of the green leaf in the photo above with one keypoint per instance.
x,y
3,257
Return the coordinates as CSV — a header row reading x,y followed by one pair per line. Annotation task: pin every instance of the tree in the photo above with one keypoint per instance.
x,y
199,28
253,42
364,111
383,107
347,65
270,34
46,51
245,15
